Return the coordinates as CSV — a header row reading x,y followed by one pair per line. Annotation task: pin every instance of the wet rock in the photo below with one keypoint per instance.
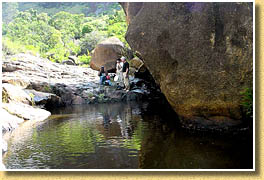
x,y
140,91
136,82
87,94
214,123
133,95
200,54
115,95
78,100
106,53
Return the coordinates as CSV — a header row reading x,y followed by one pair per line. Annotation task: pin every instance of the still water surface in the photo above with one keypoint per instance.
x,y
122,135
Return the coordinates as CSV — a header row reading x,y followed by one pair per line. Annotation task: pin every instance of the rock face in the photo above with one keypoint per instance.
x,y
200,54
131,10
106,53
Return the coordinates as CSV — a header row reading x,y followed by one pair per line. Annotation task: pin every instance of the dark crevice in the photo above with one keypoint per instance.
x,y
219,26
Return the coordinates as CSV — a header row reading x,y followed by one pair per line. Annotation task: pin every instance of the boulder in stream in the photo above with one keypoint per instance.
x,y
106,53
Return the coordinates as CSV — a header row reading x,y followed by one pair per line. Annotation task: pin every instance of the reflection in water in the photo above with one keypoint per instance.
x,y
121,135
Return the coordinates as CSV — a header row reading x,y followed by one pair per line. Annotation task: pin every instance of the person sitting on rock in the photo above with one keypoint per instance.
x,y
102,75
107,81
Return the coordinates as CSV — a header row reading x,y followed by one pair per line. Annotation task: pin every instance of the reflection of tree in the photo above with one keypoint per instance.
x,y
55,144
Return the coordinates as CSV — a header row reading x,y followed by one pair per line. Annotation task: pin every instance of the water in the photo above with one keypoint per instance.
x,y
119,136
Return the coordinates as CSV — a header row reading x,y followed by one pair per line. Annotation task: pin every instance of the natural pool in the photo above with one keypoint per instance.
x,y
122,136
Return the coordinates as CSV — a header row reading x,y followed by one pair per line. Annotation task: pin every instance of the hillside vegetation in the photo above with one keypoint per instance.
x,y
57,30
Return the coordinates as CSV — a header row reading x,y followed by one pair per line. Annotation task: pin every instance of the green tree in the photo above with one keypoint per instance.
x,y
68,24
87,28
58,34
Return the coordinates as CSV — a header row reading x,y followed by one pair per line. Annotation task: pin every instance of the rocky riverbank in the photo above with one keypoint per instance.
x,y
52,84
32,85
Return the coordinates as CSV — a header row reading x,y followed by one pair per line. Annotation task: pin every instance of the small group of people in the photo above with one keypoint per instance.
x,y
122,71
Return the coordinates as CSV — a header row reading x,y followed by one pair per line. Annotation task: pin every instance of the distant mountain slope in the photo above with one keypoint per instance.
x,y
51,8
87,8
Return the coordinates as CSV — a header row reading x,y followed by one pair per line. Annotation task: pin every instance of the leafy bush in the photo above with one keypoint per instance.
x,y
247,102
60,53
74,49
10,48
87,28
85,59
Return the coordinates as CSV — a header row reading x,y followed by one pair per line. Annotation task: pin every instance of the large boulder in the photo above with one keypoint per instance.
x,y
106,53
200,54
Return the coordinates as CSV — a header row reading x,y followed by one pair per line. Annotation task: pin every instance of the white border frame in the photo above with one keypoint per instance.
x,y
149,170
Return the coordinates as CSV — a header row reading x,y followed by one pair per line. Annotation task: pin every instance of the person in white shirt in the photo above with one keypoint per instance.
x,y
119,74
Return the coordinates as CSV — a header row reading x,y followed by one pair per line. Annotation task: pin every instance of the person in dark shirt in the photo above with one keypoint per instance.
x,y
125,73
102,75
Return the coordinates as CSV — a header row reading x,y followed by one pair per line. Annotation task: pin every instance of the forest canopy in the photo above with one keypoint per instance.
x,y
57,30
